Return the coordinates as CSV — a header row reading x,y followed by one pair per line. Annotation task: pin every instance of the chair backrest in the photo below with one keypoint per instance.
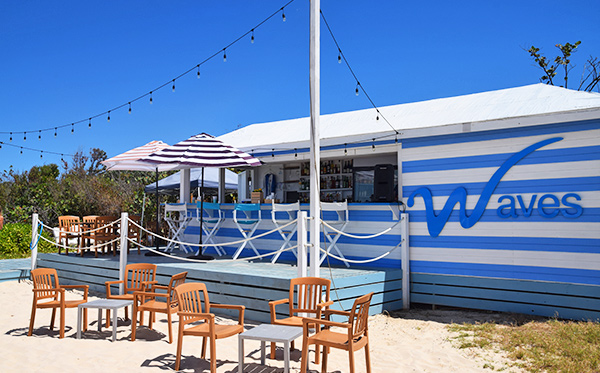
x,y
172,208
176,280
90,218
92,221
290,208
307,292
212,209
136,274
68,223
45,279
191,296
104,222
247,209
359,316
340,207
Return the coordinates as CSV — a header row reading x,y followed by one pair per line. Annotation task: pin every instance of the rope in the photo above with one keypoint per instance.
x,y
89,231
212,244
31,244
80,248
359,237
361,261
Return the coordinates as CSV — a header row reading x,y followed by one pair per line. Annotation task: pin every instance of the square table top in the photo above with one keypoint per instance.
x,y
273,333
107,303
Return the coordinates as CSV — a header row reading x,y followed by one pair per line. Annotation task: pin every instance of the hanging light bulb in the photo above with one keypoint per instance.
x,y
198,73
252,38
339,56
345,149
24,136
11,136
90,123
295,153
55,131
283,14
21,150
61,158
150,97
173,85
40,135
373,146
356,90
108,117
129,107
41,154
272,153
224,55
72,127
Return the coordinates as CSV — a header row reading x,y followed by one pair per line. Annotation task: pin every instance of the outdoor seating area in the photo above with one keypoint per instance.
x,y
308,304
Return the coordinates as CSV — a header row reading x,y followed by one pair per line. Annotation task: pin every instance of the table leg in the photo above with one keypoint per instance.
x,y
240,354
286,357
99,319
262,352
79,309
114,333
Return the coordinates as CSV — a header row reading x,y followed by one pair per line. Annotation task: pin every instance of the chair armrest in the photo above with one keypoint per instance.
x,y
232,307
85,288
336,312
272,305
109,283
309,320
195,316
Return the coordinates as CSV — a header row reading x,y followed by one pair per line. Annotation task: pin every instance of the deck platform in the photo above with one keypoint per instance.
x,y
252,284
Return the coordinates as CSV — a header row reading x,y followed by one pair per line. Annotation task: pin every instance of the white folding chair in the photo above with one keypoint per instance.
x,y
212,218
291,210
246,223
177,219
341,208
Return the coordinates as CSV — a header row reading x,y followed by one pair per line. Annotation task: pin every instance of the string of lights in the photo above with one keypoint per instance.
x,y
42,152
358,85
149,94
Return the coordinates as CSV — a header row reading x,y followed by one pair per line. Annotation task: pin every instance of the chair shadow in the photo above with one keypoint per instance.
x,y
188,363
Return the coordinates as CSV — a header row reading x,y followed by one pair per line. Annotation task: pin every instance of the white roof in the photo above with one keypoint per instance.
x,y
522,102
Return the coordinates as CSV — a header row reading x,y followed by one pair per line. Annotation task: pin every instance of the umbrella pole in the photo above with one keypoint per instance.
x,y
201,209
157,210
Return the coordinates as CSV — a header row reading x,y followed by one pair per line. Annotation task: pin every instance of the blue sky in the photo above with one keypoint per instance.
x,y
66,61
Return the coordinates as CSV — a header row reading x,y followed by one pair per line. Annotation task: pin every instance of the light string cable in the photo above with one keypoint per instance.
x,y
36,150
128,103
358,84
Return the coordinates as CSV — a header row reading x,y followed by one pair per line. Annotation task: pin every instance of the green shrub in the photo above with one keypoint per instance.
x,y
15,239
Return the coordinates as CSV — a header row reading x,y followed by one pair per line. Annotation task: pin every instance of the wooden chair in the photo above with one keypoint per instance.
x,y
134,233
312,296
68,226
88,232
191,296
356,337
46,286
148,302
106,232
138,277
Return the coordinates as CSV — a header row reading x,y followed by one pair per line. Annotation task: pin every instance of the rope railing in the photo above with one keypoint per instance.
x,y
361,261
80,233
211,244
93,247
359,237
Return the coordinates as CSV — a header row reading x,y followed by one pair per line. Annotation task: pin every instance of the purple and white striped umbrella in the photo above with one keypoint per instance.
x,y
202,150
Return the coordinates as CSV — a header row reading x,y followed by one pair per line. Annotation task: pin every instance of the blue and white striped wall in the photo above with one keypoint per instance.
x,y
529,259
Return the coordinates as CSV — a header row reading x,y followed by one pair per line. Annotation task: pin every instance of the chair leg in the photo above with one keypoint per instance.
x,y
170,332
133,321
350,359
272,350
33,308
126,315
52,319
368,358
304,359
150,319
213,355
62,322
203,356
324,365
179,345
108,318
317,355
85,319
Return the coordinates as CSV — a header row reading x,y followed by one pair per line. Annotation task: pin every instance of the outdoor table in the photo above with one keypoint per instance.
x,y
102,304
269,333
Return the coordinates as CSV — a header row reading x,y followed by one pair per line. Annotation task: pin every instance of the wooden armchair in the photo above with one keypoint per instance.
x,y
148,302
312,297
68,226
191,296
356,337
134,233
138,277
46,286
108,231
88,232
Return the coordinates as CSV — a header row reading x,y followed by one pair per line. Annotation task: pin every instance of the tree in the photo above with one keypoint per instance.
x,y
590,77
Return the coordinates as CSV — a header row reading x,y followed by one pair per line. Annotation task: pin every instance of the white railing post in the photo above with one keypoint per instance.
x,y
123,253
405,258
34,240
302,235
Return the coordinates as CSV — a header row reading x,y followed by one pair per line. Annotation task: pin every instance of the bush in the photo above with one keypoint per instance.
x,y
15,240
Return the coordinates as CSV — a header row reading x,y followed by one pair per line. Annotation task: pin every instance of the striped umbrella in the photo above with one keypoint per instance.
x,y
202,150
130,160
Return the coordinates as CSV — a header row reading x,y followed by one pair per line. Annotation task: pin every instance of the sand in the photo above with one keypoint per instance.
x,y
405,341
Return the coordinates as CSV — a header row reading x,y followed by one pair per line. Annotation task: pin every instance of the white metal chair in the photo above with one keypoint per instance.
x,y
291,210
246,224
212,218
341,208
177,219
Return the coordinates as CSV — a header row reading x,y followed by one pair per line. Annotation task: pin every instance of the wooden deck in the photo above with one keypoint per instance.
x,y
252,284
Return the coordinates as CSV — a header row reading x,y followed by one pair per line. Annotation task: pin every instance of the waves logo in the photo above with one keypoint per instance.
x,y
437,221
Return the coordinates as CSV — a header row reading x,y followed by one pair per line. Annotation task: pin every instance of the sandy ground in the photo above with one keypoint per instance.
x,y
405,341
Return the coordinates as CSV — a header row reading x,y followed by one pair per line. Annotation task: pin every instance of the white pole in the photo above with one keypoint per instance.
x,y
184,186
315,141
302,235
405,258
34,240
123,253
